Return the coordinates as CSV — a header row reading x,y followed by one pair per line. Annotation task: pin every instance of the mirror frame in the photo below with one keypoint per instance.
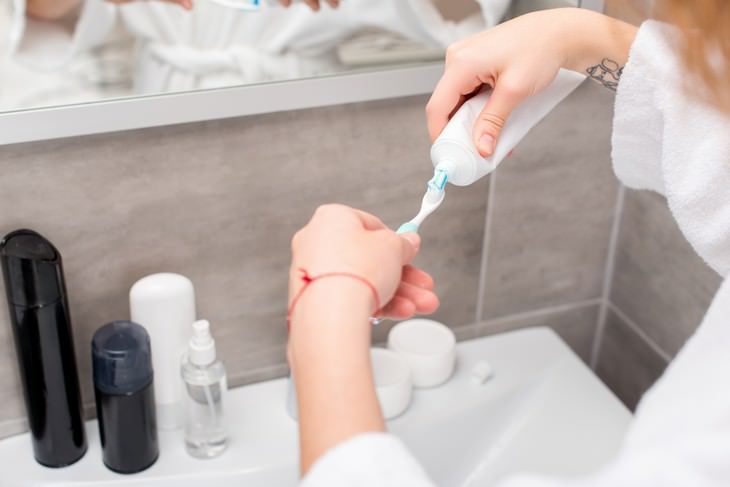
x,y
196,106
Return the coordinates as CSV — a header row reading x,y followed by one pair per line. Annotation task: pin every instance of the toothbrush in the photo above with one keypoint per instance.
x,y
433,198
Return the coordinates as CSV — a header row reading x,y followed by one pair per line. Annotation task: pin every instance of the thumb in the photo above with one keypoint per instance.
x,y
504,99
411,242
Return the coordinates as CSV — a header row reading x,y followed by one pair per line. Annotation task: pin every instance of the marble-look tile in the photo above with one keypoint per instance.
x,y
626,363
553,210
576,325
659,281
219,202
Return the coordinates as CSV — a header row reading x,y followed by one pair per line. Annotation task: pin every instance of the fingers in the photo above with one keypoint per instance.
x,y
313,4
369,221
398,309
285,3
417,277
408,301
410,243
333,3
451,91
425,301
507,95
343,214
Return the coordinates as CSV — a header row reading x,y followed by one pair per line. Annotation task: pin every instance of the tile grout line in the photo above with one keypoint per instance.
x,y
637,329
489,216
538,312
608,276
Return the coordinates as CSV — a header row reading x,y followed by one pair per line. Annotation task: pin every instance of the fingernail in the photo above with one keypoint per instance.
x,y
413,238
486,144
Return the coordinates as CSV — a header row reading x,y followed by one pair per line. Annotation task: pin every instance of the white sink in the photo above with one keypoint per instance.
x,y
543,411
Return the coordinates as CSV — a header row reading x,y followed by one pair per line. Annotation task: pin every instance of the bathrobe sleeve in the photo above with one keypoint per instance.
x,y
49,46
368,460
667,141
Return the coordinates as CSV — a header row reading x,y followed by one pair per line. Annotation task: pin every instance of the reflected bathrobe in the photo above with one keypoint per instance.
x,y
215,46
680,436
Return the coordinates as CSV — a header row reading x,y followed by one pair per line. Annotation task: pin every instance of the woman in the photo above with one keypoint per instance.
x,y
206,45
671,135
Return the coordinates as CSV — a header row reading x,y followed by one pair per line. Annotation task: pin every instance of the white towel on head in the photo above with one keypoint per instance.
x,y
667,142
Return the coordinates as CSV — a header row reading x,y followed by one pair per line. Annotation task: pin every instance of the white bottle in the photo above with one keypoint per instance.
x,y
454,154
165,305
206,386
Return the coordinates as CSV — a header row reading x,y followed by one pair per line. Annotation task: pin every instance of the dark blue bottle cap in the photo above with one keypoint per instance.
x,y
121,358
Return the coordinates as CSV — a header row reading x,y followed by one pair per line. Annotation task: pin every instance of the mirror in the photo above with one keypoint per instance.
x,y
67,52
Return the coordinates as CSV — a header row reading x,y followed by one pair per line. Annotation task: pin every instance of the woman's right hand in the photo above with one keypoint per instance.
x,y
519,58
342,239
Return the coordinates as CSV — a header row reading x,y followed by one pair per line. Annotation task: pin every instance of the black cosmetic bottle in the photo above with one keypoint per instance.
x,y
125,400
36,292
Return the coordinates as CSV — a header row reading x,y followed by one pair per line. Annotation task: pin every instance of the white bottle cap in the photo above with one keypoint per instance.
x,y
201,349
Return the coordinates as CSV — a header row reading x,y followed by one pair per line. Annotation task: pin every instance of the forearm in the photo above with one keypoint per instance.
x,y
329,352
51,9
597,45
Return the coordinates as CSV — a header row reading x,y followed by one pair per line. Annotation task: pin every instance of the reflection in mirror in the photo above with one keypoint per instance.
x,y
59,52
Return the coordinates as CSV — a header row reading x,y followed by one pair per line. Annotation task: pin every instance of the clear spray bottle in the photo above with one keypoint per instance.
x,y
205,387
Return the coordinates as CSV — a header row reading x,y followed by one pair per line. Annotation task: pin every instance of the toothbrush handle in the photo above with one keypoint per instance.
x,y
407,227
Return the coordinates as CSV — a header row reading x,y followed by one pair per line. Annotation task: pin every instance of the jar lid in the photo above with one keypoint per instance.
x,y
121,358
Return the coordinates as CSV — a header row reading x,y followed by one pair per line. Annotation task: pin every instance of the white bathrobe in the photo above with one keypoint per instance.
x,y
680,436
215,46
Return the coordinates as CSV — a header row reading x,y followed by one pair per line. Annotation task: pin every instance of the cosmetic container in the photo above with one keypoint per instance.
x,y
164,304
41,324
125,400
393,382
205,387
429,348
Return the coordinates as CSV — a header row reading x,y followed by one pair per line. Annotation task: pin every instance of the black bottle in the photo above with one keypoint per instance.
x,y
125,400
41,324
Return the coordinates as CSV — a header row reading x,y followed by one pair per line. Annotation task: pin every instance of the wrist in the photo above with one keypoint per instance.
x,y
330,322
593,37
330,300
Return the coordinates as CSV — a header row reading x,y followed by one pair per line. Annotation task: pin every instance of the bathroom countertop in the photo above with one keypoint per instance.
x,y
543,411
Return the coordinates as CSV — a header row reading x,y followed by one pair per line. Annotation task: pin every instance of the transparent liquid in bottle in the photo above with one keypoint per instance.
x,y
205,430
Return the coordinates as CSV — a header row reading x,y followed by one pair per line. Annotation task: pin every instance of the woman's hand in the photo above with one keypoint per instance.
x,y
519,58
186,4
313,4
342,239
329,336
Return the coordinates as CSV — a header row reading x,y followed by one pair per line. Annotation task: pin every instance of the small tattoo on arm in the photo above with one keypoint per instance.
x,y
608,73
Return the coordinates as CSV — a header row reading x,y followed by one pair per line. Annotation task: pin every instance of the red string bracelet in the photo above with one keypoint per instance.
x,y
307,279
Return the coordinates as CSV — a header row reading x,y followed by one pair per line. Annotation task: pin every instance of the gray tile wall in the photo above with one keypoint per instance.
x,y
218,202
659,293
